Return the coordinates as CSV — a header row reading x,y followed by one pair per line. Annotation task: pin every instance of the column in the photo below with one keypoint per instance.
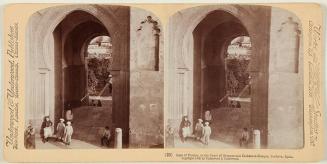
x,y
118,138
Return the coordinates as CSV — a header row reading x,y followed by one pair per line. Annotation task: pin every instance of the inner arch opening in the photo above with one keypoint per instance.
x,y
237,61
98,64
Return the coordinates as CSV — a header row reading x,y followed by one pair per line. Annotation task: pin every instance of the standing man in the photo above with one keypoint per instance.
x,y
208,116
110,84
206,133
61,130
245,136
29,137
105,140
68,133
69,113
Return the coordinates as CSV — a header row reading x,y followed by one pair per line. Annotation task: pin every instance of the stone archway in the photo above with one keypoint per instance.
x,y
211,36
54,48
189,55
71,76
187,49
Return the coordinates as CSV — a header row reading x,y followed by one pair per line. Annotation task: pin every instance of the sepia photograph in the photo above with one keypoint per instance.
x,y
163,82
95,78
235,78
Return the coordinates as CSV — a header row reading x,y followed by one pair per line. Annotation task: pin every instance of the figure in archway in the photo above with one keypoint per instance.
x,y
68,133
69,113
106,137
206,133
185,129
46,129
245,136
110,84
60,129
170,143
208,116
29,137
198,130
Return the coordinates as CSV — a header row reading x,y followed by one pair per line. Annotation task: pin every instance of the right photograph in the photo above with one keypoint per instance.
x,y
234,78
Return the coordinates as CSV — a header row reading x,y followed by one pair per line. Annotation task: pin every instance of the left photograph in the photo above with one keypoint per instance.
x,y
94,78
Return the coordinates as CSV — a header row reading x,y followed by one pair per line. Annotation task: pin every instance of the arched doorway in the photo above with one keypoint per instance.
x,y
197,72
58,71
221,76
73,40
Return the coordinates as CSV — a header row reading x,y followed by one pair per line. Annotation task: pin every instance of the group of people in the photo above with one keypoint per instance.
x,y
64,130
202,131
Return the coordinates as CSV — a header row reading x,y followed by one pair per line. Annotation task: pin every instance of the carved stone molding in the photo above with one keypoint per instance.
x,y
148,45
288,52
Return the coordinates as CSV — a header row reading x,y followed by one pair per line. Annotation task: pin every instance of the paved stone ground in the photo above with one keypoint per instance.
x,y
89,122
191,143
75,144
228,123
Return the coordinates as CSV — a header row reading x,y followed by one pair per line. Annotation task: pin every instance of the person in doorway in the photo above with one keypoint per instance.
x,y
206,133
185,129
69,114
46,129
29,137
170,143
92,103
105,139
68,133
99,104
61,130
208,116
198,130
244,139
110,84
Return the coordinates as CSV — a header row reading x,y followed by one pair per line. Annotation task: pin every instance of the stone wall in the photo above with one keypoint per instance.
x,y
285,106
146,80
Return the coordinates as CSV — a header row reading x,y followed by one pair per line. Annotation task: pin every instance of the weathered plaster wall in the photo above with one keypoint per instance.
x,y
146,83
285,113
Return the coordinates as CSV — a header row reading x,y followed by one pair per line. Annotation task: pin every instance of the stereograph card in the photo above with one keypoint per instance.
x,y
163,82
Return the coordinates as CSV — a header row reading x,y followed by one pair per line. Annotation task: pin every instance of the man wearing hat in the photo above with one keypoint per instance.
x,y
206,133
61,130
198,129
